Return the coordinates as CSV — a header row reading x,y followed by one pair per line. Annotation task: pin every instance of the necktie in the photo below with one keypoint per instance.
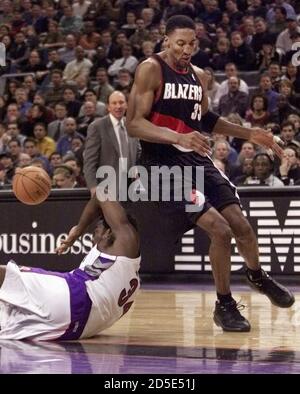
x,y
123,62
123,141
56,136
99,92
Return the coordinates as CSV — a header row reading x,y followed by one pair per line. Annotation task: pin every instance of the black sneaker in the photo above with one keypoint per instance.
x,y
277,294
228,317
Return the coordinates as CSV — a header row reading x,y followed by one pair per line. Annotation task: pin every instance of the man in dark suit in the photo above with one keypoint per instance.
x,y
107,142
56,128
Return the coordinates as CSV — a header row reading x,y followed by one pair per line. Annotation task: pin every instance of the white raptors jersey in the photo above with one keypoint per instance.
x,y
113,293
37,304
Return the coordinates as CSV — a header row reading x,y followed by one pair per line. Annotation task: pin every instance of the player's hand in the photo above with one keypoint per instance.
x,y
195,141
284,167
267,139
74,234
93,191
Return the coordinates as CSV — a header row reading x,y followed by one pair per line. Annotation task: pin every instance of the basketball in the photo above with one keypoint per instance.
x,y
31,185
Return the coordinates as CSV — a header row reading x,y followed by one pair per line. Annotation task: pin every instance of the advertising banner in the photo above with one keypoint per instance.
x,y
30,234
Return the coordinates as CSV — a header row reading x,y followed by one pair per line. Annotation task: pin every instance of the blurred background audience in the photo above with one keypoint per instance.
x,y
65,58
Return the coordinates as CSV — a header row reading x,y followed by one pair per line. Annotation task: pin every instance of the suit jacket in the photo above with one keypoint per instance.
x,y
102,148
55,132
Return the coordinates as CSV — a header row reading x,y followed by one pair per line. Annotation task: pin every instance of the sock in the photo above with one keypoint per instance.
x,y
254,274
224,298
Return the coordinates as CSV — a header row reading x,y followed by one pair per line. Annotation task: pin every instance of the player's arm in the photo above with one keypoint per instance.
x,y
90,213
127,239
146,84
256,135
114,214
213,123
116,218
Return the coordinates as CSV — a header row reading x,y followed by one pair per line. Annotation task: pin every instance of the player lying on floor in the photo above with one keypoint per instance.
x,y
42,305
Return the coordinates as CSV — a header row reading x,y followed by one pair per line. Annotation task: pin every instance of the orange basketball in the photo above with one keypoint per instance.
x,y
31,185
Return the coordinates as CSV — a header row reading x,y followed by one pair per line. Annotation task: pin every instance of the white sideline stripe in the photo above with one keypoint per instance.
x,y
188,249
236,267
291,222
262,213
188,267
282,259
261,204
282,240
188,258
237,259
188,240
264,249
264,240
285,231
282,249
265,259
294,213
190,232
261,250
268,222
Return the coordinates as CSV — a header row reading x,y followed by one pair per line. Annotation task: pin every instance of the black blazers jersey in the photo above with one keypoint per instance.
x,y
177,106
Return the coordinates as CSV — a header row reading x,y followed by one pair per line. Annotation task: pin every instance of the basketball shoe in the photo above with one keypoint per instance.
x,y
277,294
228,316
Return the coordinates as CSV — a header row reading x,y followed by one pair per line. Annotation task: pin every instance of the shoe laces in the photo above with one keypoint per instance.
x,y
236,310
233,306
264,274
232,310
240,306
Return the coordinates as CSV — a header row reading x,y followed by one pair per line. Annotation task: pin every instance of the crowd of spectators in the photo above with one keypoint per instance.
x,y
64,58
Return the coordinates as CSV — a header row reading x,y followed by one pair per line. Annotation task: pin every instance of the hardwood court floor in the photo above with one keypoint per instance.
x,y
170,330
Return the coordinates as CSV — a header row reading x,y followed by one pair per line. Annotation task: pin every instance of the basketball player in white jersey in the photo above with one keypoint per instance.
x,y
42,305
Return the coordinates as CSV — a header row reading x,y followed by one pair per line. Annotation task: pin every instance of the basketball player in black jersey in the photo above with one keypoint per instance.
x,y
168,110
